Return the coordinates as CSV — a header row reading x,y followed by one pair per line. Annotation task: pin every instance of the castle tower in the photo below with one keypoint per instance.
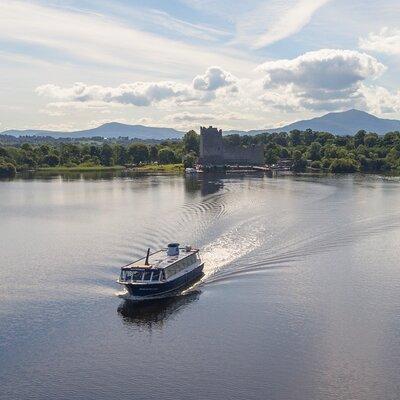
x,y
211,146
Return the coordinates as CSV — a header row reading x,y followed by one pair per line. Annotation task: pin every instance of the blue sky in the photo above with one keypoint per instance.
x,y
68,65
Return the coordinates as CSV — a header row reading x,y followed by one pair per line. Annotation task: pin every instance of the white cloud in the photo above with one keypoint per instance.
x,y
214,78
203,89
260,23
190,120
98,39
185,116
324,80
386,41
275,20
161,19
62,127
138,93
321,80
379,100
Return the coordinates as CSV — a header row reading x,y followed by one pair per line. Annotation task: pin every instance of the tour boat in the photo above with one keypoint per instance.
x,y
162,273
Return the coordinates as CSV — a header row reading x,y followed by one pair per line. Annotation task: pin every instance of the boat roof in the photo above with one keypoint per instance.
x,y
160,259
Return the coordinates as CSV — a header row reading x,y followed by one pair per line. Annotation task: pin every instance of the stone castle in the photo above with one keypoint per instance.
x,y
215,151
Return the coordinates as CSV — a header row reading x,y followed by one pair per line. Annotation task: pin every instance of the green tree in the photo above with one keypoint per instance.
x,y
271,156
362,150
27,147
280,138
107,154
316,165
166,156
153,153
391,138
295,137
95,151
314,152
359,138
7,170
299,162
324,138
284,152
44,149
4,152
28,161
51,160
189,160
326,163
341,141
191,142
341,165
371,139
139,153
309,136
330,151
234,140
121,154
70,153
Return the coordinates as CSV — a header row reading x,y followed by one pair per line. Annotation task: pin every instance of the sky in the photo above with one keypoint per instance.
x,y
71,65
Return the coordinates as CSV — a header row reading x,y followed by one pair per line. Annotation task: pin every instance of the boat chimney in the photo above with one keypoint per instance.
x,y
147,257
173,249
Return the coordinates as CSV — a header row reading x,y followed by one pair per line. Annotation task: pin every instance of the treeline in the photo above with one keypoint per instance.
x,y
11,140
364,152
28,156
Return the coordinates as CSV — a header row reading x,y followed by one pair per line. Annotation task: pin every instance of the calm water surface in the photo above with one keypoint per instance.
x,y
300,298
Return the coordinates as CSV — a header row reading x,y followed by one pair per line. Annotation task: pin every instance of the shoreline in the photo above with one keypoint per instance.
x,y
116,168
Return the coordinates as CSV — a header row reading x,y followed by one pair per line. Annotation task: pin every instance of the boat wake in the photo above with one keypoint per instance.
x,y
245,232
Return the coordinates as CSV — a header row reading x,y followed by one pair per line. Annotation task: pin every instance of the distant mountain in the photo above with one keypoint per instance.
x,y
344,123
109,130
251,133
339,123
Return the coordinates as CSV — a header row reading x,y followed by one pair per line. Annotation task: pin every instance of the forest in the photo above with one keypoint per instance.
x,y
307,150
18,156
363,152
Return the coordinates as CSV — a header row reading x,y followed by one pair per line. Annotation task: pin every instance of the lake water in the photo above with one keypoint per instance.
x,y
300,299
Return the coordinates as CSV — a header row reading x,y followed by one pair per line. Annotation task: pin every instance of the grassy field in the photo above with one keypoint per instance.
x,y
159,168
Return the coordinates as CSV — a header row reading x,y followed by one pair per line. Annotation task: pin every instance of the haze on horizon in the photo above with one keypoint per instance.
x,y
69,65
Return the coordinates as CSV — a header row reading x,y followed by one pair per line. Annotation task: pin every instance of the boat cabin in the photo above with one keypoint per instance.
x,y
160,266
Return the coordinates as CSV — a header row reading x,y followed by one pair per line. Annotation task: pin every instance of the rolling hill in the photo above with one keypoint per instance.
x,y
109,130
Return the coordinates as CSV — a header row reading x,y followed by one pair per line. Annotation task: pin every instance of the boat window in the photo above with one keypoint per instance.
x,y
156,275
147,275
136,275
126,275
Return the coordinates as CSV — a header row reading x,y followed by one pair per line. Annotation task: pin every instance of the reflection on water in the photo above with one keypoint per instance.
x,y
155,312
86,175
299,300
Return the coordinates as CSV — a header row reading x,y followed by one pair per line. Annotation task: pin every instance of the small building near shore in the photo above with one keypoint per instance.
x,y
214,151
